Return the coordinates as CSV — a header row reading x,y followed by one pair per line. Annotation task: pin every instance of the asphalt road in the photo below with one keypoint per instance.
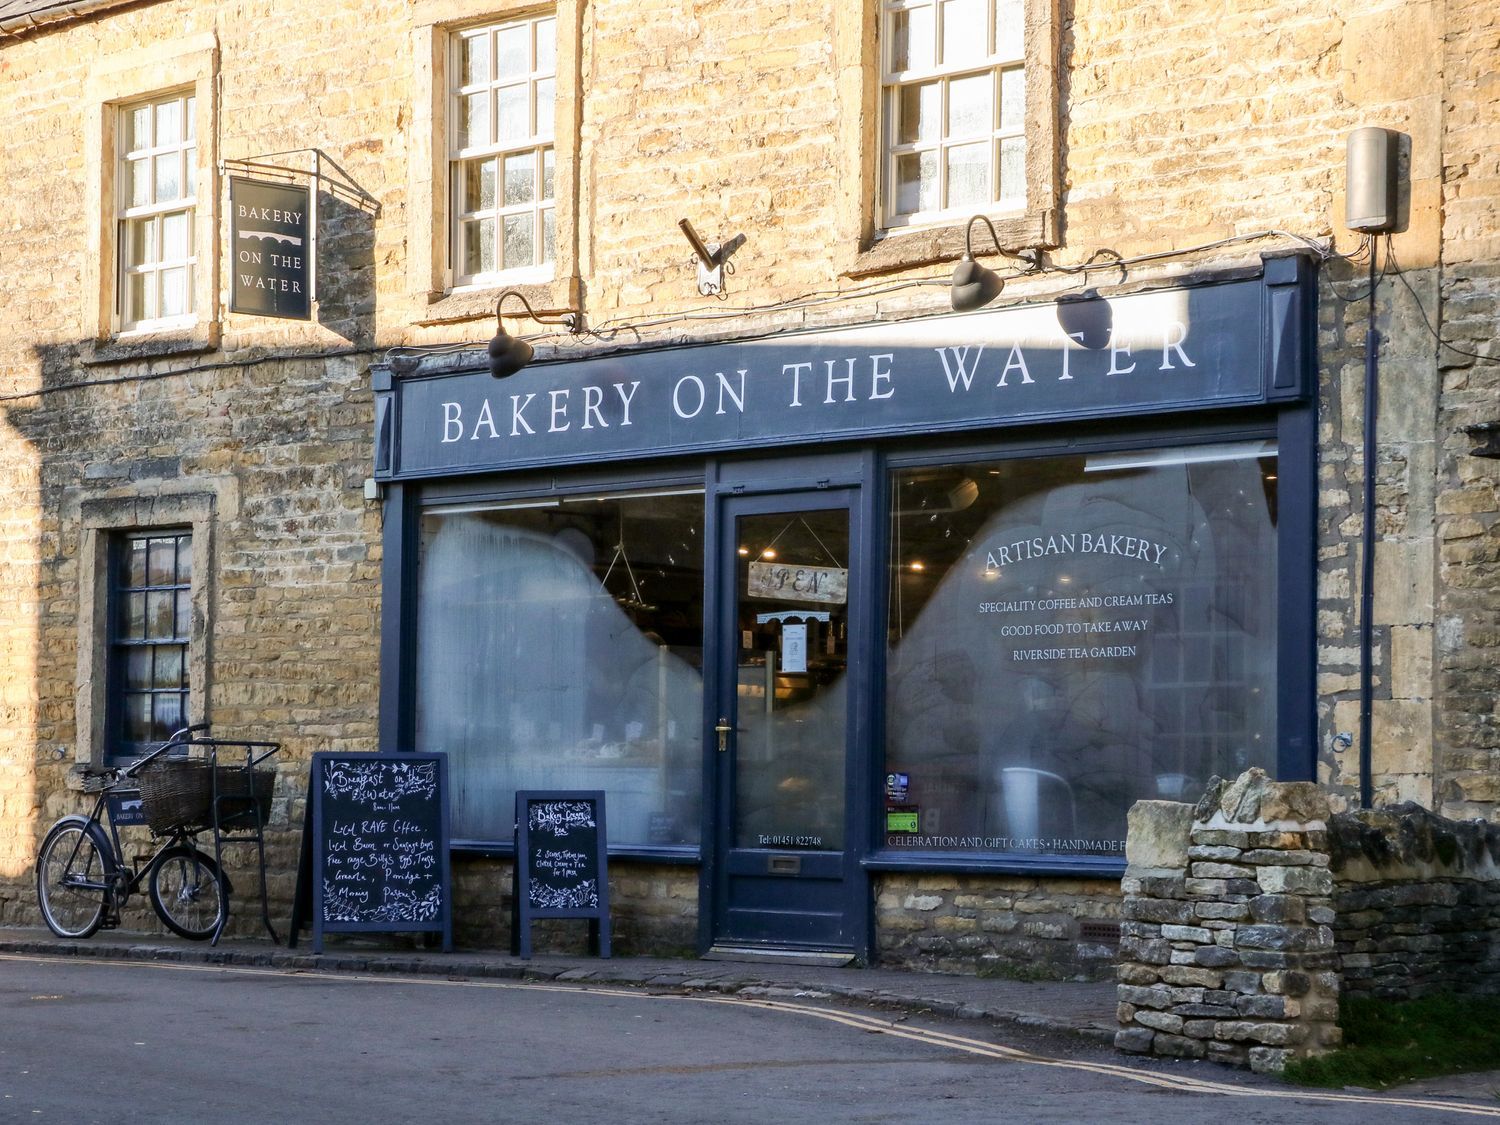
x,y
97,1041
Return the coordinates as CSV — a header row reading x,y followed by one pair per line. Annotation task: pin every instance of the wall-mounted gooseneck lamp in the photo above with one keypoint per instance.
x,y
1086,317
508,354
974,286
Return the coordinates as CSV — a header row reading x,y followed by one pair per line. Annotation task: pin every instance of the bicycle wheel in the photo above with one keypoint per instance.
x,y
187,892
71,853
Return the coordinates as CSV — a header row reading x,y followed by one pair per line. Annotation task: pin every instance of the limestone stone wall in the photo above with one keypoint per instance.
x,y
1178,126
1467,616
1227,950
1416,903
1248,916
653,910
1006,926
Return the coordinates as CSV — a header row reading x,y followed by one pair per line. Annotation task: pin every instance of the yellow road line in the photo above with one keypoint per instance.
x,y
854,1020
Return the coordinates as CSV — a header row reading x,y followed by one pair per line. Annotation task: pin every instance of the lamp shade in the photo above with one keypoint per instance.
x,y
1087,318
508,355
973,286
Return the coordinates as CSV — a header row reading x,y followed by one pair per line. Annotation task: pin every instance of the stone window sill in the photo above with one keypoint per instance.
x,y
127,349
904,250
479,304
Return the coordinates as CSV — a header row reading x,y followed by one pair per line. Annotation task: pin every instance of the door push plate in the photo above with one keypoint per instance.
x,y
784,865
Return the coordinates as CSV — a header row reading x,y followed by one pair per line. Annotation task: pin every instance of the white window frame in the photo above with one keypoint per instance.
x,y
1007,131
153,215
142,74
539,144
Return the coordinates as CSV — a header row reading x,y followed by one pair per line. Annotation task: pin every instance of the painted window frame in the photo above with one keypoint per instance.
x,y
118,688
443,297
181,67
997,66
103,520
536,148
868,244
150,217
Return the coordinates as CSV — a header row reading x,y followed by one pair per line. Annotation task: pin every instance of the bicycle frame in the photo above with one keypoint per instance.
x,y
236,812
123,875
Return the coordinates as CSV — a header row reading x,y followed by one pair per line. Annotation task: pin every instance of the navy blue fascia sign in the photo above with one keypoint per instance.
x,y
379,844
1214,345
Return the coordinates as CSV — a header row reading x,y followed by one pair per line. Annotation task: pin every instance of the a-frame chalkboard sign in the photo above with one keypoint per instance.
x,y
562,864
375,847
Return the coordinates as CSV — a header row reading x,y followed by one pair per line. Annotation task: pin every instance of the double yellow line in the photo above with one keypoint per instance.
x,y
856,1020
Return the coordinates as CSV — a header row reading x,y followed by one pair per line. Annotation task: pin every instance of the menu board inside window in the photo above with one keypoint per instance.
x,y
1070,635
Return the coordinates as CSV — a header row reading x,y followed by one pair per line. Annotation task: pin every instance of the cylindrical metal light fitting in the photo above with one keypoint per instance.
x,y
1370,174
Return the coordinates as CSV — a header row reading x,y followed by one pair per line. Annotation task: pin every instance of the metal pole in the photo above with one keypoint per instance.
x,y
312,228
1367,550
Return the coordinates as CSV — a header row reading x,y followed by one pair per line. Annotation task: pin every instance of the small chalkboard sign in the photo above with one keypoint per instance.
x,y
375,853
561,863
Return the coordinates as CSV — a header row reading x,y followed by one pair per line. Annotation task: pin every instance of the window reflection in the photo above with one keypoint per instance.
x,y
1068,636
560,647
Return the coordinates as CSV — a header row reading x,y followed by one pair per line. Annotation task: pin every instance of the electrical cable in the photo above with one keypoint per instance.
x,y
1390,255
167,373
609,330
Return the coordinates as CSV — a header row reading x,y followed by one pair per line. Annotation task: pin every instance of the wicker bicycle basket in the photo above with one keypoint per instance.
x,y
242,794
179,793
176,793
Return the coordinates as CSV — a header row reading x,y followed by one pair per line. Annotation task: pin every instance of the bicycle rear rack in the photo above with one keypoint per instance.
x,y
239,807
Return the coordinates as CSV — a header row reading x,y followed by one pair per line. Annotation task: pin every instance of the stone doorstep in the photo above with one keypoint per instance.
x,y
923,993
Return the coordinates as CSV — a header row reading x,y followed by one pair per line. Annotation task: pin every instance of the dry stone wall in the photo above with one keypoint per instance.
x,y
1416,903
1227,949
1248,916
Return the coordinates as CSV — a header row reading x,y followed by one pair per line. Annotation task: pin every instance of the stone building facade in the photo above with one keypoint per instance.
x,y
1149,152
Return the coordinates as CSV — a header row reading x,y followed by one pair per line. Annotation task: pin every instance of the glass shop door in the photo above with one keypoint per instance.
x,y
782,724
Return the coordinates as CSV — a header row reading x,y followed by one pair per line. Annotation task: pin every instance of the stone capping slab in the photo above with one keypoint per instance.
x,y
1157,834
1222,823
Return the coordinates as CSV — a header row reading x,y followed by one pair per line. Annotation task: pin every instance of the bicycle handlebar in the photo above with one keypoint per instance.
x,y
181,737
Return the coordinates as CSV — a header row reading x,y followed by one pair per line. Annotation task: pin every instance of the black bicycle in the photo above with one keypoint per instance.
x,y
83,878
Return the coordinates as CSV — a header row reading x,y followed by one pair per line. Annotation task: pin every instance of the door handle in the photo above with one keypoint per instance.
x,y
723,729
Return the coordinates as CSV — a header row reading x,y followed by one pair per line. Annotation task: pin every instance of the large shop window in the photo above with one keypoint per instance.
x,y
1068,636
560,647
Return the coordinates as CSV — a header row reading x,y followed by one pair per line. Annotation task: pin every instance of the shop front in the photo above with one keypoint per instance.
x,y
946,594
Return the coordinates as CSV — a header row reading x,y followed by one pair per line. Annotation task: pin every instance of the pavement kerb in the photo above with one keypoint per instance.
x,y
719,977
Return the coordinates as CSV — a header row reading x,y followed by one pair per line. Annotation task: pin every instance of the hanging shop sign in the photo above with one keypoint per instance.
x,y
825,584
270,235
1207,346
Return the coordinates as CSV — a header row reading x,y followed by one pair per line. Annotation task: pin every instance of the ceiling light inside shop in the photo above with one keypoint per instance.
x,y
963,494
768,553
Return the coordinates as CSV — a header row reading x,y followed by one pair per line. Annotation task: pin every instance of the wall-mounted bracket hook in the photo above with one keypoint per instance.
x,y
713,258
